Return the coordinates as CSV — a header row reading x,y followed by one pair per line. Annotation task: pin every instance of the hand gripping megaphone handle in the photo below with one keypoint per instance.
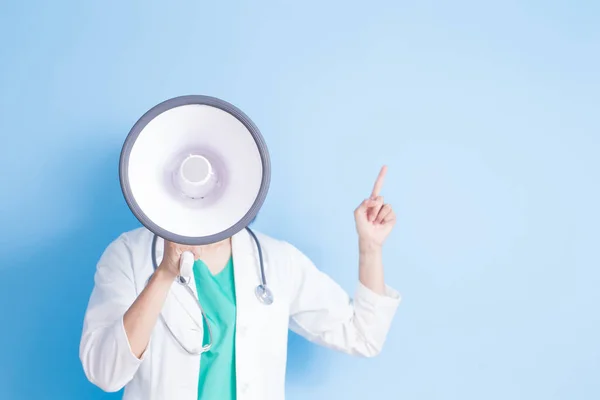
x,y
186,265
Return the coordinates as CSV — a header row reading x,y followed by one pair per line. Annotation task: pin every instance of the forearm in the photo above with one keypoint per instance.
x,y
371,267
141,317
323,312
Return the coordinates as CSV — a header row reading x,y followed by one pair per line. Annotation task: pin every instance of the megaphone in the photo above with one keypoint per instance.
x,y
194,170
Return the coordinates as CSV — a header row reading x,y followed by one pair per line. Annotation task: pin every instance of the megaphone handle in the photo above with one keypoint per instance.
x,y
186,265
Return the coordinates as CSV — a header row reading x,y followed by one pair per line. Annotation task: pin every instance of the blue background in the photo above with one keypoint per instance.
x,y
487,114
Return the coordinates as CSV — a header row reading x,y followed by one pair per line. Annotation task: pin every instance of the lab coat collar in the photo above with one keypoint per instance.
x,y
246,267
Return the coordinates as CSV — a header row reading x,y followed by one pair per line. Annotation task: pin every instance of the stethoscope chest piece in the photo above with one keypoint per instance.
x,y
264,295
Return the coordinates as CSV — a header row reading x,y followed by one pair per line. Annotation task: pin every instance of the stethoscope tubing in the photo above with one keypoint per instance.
x,y
263,293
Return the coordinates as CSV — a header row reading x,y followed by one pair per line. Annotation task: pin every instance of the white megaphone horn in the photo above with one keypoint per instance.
x,y
194,170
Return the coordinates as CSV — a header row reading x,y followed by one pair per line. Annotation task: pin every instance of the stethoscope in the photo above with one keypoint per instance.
x,y
262,292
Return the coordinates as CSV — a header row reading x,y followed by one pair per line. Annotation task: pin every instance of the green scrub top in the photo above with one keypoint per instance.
x,y
216,293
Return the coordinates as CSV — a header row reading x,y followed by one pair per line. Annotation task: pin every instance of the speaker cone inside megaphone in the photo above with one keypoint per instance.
x,y
194,170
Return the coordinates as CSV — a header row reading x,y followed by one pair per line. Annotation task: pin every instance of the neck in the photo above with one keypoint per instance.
x,y
215,247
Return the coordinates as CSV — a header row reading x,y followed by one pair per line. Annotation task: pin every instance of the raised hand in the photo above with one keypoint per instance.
x,y
374,219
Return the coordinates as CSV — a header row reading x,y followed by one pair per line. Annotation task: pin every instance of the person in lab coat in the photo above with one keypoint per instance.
x,y
144,333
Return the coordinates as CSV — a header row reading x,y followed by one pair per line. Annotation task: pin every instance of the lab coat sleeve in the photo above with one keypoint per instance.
x,y
107,359
322,312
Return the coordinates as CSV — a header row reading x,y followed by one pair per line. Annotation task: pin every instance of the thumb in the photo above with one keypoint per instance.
x,y
364,206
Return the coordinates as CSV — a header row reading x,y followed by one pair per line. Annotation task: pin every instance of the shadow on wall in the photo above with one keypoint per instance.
x,y
50,288
45,297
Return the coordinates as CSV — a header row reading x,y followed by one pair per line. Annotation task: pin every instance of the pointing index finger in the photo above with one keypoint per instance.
x,y
379,182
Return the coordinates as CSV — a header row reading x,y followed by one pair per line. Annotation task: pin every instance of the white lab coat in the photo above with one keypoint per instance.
x,y
305,300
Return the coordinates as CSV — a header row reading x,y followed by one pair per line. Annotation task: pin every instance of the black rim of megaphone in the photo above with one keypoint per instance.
x,y
183,101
